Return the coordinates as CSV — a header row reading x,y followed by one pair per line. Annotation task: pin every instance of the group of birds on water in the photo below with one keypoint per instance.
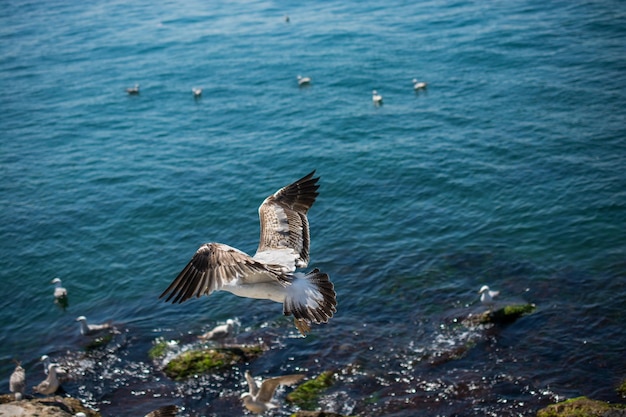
x,y
302,82
270,274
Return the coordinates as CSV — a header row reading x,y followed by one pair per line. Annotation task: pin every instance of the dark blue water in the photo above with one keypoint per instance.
x,y
508,171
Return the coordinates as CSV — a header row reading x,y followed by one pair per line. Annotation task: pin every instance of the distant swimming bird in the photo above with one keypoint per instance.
x,y
271,273
377,98
165,411
133,91
62,373
197,92
486,296
17,381
220,332
287,19
59,290
50,385
303,81
419,85
87,329
258,399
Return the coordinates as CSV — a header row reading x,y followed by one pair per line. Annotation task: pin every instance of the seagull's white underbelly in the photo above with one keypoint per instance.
x,y
262,290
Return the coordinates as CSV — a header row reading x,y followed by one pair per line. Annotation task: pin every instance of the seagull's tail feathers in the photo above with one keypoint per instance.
x,y
310,298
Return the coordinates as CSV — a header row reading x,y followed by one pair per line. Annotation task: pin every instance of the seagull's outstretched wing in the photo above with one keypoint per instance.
x,y
211,267
253,387
284,226
269,385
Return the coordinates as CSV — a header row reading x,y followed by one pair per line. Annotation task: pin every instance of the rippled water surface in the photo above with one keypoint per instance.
x,y
508,170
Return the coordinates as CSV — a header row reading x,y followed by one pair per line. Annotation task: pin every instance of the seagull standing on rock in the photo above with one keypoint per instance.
x,y
487,296
17,382
258,399
220,332
271,273
50,385
88,329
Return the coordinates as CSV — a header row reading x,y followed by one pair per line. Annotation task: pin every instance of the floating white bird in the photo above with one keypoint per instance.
x,y
87,329
59,290
220,332
303,81
17,381
165,411
50,385
419,85
62,373
486,296
197,92
133,91
377,98
259,398
271,273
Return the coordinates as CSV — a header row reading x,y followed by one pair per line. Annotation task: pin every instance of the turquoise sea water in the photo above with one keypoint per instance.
x,y
508,171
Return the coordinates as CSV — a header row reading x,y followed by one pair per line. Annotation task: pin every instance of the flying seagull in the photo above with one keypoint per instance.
x,y
17,381
50,385
87,329
486,296
271,273
258,399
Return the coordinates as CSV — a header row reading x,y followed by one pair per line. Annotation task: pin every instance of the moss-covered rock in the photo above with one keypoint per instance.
x,y
306,395
158,349
582,407
196,362
505,315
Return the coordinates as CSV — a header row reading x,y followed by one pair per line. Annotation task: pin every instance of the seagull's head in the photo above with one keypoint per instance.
x,y
246,397
483,289
44,358
56,281
81,318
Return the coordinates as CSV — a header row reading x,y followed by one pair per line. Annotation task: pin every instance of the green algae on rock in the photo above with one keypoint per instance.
x,y
306,395
504,315
196,362
583,407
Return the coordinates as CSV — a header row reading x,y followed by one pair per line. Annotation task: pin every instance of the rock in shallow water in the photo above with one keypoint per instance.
x,y
56,406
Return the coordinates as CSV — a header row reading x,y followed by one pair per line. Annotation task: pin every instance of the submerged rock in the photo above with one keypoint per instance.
x,y
301,413
55,406
583,406
194,362
306,395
